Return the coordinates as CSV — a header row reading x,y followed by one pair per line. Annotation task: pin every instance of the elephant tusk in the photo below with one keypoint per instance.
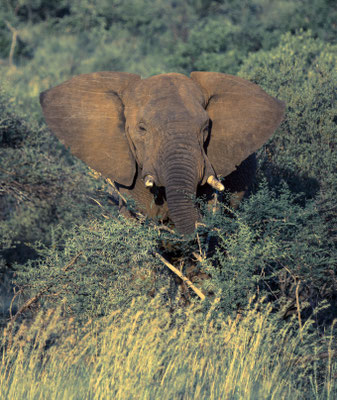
x,y
211,180
149,181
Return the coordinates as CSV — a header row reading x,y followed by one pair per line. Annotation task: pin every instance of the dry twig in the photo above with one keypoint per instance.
x,y
299,309
72,262
188,283
198,257
13,44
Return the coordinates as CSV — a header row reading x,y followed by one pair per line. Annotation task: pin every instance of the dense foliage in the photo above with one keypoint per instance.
x,y
62,240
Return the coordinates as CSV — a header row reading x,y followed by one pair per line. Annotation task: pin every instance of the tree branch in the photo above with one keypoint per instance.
x,y
181,276
14,39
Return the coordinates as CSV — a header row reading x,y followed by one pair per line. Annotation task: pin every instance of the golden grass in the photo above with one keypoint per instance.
x,y
142,354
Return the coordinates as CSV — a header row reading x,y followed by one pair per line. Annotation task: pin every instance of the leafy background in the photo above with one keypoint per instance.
x,y
61,237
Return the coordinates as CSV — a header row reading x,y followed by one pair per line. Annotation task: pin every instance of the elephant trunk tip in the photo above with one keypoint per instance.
x,y
186,230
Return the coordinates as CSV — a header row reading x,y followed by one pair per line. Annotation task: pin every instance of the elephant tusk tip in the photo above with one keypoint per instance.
x,y
149,181
216,184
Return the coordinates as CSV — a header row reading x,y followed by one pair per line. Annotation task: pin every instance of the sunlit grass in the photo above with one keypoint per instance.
x,y
148,354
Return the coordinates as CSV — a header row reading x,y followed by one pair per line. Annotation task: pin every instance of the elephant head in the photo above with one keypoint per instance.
x,y
168,130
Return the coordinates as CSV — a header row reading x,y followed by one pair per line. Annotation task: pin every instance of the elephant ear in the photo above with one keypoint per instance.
x,y
87,115
243,118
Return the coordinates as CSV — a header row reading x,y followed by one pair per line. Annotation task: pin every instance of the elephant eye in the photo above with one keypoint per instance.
x,y
205,132
141,129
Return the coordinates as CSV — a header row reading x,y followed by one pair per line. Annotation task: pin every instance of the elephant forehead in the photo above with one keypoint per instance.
x,y
180,115
166,97
172,85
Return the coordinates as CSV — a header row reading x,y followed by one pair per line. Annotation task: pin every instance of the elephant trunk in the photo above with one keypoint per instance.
x,y
183,169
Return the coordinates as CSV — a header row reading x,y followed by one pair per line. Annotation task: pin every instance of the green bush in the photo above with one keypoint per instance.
x,y
41,184
229,30
301,71
96,267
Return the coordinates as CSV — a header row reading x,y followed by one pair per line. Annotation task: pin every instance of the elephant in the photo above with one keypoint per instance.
x,y
167,138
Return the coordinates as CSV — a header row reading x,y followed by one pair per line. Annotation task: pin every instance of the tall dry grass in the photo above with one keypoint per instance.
x,y
151,353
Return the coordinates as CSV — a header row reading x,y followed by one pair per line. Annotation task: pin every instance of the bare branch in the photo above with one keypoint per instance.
x,y
299,309
15,33
72,262
181,276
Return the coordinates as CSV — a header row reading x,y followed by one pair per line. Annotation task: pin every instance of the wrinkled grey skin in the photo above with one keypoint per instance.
x,y
178,131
